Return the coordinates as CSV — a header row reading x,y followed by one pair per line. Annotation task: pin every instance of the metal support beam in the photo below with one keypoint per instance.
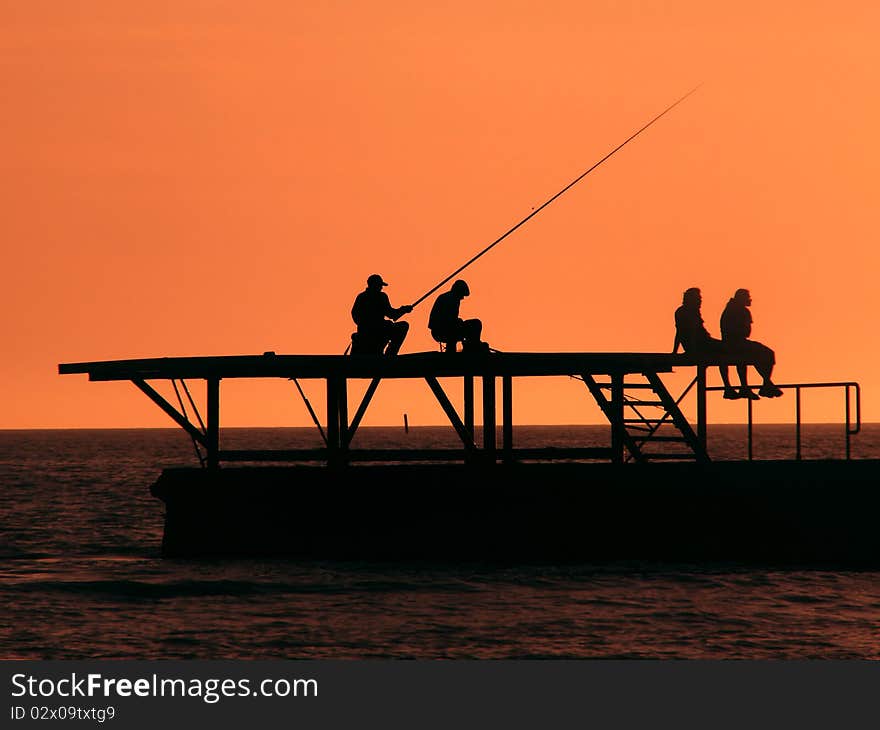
x,y
701,407
333,431
466,436
507,418
849,430
310,410
368,455
606,407
344,437
362,409
171,411
750,421
678,418
615,415
489,416
469,404
213,424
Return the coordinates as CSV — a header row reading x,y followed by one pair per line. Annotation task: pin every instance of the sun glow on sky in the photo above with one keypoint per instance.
x,y
218,178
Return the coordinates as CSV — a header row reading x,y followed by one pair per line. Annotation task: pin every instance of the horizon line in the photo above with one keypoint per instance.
x,y
398,425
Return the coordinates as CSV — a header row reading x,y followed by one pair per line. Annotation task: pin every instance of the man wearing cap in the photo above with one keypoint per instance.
x,y
377,328
448,328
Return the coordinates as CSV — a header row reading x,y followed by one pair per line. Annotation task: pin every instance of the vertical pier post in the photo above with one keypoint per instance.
x,y
616,416
333,442
212,427
489,417
701,406
849,432
344,438
749,410
507,418
469,404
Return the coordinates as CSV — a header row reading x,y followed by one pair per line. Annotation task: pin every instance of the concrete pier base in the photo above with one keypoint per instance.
x,y
808,513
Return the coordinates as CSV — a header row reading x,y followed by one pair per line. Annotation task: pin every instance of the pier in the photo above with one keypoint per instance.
x,y
644,417
654,493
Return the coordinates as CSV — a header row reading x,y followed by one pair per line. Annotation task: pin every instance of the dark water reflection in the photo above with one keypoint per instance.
x,y
81,578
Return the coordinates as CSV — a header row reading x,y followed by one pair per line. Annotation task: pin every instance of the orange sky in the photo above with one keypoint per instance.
x,y
209,178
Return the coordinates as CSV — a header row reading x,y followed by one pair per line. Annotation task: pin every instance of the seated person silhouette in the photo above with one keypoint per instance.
x,y
448,328
692,335
736,327
377,330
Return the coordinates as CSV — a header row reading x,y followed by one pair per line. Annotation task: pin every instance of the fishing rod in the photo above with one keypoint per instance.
x,y
550,200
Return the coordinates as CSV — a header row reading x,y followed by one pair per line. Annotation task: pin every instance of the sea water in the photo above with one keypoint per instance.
x,y
82,577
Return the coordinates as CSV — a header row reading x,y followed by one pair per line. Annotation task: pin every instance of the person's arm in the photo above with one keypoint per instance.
x,y
396,314
392,312
677,334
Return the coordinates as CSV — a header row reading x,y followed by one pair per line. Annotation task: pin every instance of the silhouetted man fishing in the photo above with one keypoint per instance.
x,y
377,328
693,336
736,327
448,328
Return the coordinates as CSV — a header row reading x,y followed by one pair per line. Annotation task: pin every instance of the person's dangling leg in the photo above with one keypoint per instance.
x,y
730,393
742,370
471,330
718,349
765,359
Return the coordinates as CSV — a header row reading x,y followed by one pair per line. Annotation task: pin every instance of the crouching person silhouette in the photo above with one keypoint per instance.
x,y
449,329
377,329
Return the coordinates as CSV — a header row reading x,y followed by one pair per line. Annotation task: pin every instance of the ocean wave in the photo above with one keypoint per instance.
x,y
136,589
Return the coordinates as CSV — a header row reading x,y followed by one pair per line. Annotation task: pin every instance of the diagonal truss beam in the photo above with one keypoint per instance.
x,y
175,415
362,409
463,433
311,411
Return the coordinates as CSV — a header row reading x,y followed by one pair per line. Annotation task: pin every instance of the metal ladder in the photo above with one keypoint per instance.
x,y
644,415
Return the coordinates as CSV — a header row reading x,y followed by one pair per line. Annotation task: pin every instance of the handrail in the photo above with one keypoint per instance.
x,y
851,428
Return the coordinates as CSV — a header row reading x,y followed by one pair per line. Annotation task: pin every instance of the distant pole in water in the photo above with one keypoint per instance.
x,y
405,424
535,211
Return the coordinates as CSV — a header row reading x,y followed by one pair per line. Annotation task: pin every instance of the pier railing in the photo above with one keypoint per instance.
x,y
852,413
